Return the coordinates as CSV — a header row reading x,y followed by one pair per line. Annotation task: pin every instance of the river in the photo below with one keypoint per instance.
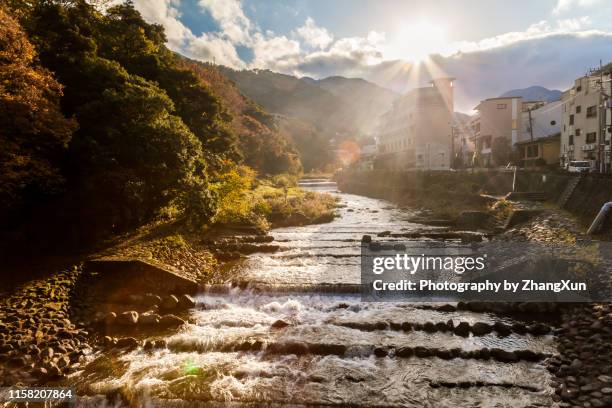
x,y
299,335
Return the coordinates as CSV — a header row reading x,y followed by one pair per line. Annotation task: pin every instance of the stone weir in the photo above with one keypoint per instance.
x,y
121,277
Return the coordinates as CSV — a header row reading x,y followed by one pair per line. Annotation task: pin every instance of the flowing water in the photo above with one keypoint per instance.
x,y
331,349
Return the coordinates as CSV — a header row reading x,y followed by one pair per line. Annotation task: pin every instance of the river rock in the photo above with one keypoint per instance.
x,y
429,327
447,308
148,319
381,351
186,302
480,328
150,299
109,318
129,318
502,329
48,352
404,352
169,302
279,324
503,355
170,320
462,329
127,342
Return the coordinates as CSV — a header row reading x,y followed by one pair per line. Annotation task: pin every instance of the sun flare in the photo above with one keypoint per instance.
x,y
415,42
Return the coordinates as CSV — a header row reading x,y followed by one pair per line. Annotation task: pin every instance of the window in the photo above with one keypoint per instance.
x,y
578,88
571,120
564,128
501,106
591,137
571,140
577,132
531,151
591,111
578,109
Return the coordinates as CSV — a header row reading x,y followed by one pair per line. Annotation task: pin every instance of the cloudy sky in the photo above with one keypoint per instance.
x,y
489,46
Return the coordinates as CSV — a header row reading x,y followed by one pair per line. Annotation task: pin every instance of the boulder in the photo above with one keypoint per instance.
x,y
480,328
186,302
279,324
129,318
127,342
404,352
150,300
462,329
170,320
148,319
169,302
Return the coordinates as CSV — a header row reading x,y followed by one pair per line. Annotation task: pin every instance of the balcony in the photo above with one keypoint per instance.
x,y
588,147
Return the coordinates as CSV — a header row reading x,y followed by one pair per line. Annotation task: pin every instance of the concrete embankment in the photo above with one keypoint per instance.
x,y
585,200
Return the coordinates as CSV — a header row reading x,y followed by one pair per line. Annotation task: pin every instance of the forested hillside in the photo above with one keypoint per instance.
x,y
103,128
335,104
263,146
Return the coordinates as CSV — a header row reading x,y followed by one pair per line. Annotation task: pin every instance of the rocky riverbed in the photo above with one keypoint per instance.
x,y
39,343
51,328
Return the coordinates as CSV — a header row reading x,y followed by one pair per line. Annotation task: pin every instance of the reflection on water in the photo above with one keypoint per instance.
x,y
303,345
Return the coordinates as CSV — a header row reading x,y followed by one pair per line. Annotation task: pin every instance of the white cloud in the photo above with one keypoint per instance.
x,y
566,5
537,30
273,52
233,22
574,24
210,47
314,35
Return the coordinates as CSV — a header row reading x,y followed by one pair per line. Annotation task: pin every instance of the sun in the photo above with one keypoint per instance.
x,y
417,41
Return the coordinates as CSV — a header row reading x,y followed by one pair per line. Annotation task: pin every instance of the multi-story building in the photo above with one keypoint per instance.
x,y
539,140
496,126
416,132
585,132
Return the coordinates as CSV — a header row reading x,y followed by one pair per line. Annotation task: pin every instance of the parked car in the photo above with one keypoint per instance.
x,y
579,166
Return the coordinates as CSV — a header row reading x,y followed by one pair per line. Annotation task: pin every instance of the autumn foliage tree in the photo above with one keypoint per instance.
x,y
34,134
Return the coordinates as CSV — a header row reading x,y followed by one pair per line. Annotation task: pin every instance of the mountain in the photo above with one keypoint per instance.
x,y
348,107
535,93
366,100
263,145
461,118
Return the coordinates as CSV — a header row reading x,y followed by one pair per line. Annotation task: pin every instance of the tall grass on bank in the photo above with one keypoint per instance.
x,y
269,202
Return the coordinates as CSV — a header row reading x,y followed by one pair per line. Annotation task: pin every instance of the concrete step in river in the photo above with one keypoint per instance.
x,y
299,335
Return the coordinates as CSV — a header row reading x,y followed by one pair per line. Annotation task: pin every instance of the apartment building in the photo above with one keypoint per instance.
x,y
586,116
495,129
416,132
539,141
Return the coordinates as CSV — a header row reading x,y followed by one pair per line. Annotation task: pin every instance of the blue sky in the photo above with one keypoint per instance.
x,y
396,44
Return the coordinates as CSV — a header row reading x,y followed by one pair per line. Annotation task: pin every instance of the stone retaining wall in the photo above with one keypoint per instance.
x,y
129,276
590,194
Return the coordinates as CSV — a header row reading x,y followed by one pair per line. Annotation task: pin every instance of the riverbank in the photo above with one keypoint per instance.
x,y
49,324
582,365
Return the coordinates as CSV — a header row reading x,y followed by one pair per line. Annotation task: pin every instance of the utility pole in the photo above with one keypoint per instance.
x,y
530,124
602,119
452,156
